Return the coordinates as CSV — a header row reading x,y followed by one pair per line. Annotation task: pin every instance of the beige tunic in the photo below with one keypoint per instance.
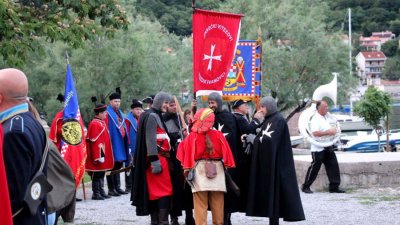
x,y
202,183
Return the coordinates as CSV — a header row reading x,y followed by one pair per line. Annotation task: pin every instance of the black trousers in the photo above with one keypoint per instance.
x,y
328,158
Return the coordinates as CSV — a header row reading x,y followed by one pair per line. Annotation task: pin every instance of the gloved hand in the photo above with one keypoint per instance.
x,y
250,138
156,167
101,160
130,151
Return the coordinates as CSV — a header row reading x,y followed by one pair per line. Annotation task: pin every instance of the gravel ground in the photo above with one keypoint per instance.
x,y
375,206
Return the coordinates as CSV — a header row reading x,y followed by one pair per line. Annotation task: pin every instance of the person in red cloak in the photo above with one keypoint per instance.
x,y
99,151
207,152
5,206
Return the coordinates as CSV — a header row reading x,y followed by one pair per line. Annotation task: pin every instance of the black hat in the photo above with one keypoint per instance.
x,y
136,103
148,99
238,103
60,97
115,95
99,108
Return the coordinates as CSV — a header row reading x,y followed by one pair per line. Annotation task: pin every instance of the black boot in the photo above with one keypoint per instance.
x,y
174,220
154,218
102,192
128,181
111,186
96,191
227,219
163,217
189,220
117,183
273,221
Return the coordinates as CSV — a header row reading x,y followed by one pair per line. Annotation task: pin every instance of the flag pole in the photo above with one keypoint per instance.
x,y
66,57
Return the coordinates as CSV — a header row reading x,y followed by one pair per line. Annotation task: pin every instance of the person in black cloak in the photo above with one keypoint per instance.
x,y
273,189
152,188
226,122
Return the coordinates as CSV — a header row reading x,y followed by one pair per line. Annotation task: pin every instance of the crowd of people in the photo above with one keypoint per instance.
x,y
204,159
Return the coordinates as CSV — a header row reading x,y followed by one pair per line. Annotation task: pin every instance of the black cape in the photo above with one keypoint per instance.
x,y
139,194
273,189
230,129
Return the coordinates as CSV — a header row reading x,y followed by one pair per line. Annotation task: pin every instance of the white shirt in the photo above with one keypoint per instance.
x,y
319,123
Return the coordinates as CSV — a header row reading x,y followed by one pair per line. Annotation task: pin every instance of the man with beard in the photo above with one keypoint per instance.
x,y
152,188
226,123
119,141
182,198
273,190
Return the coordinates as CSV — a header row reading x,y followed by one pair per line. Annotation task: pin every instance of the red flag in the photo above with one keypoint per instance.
x,y
215,36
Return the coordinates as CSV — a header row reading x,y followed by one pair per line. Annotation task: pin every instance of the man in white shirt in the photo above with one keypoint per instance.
x,y
321,127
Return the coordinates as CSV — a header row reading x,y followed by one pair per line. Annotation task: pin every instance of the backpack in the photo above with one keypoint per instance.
x,y
60,176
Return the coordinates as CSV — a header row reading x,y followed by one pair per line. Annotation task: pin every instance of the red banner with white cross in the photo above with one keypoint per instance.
x,y
215,36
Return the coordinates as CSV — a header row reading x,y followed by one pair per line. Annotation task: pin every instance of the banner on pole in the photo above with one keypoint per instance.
x,y
244,77
73,147
215,36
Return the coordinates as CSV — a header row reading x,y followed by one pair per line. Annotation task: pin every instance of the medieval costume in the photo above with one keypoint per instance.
x,y
273,189
120,144
227,124
207,152
5,212
182,197
152,187
99,152
23,147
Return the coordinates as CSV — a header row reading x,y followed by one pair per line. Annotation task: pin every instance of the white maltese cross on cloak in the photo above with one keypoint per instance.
x,y
266,132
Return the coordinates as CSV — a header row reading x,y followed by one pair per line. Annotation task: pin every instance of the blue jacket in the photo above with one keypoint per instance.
x,y
119,144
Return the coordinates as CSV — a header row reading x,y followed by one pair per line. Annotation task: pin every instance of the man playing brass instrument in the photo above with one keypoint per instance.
x,y
321,127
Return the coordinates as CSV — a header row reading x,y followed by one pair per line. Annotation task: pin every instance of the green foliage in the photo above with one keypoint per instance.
x,y
391,70
307,53
175,15
390,48
136,61
24,24
375,106
367,15
395,27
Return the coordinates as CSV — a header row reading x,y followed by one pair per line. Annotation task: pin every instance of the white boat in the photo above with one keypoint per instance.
x,y
296,140
352,123
364,142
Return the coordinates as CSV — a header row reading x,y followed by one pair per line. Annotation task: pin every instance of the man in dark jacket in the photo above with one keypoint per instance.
x,y
227,124
24,144
273,190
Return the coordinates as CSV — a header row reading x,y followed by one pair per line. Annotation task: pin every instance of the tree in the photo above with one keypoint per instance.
x,y
299,54
136,61
395,27
374,107
391,70
390,48
23,24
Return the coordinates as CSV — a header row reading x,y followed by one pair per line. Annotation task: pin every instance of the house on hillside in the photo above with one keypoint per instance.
x,y
376,40
370,66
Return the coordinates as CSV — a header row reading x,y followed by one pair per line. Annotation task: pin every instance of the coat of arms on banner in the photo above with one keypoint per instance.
x,y
244,77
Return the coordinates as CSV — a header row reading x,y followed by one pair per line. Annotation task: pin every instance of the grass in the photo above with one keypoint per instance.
x,y
370,200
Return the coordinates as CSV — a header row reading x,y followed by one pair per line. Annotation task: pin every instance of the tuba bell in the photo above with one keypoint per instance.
x,y
327,90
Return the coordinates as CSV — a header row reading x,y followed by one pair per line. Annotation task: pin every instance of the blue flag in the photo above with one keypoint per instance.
x,y
71,105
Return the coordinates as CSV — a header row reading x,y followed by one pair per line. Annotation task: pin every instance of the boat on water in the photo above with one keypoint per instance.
x,y
368,142
352,123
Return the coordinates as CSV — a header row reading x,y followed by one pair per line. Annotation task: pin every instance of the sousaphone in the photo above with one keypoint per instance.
x,y
328,90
